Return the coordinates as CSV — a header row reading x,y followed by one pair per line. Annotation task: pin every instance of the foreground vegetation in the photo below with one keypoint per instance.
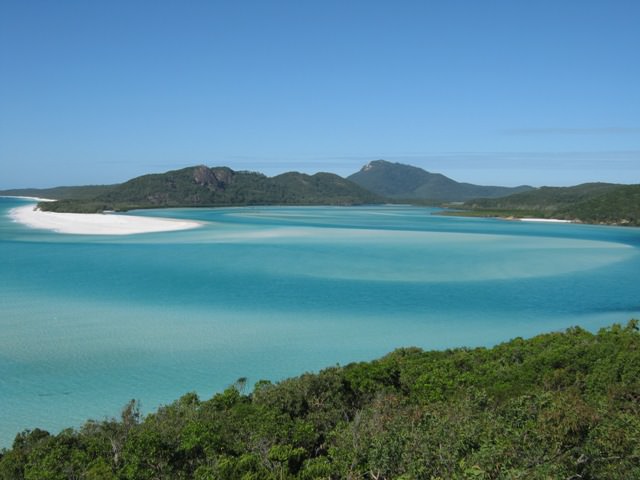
x,y
560,405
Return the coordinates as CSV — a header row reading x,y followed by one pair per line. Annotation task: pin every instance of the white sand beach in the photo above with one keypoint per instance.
x,y
548,220
96,223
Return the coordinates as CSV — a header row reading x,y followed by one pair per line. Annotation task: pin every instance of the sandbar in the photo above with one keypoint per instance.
x,y
96,223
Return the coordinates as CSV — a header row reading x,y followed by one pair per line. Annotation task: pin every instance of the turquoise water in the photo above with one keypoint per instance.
x,y
89,322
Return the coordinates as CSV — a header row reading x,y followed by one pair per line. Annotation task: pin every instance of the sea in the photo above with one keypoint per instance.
x,y
89,322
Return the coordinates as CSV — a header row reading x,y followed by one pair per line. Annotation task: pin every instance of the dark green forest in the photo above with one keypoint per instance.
x,y
556,406
218,187
589,203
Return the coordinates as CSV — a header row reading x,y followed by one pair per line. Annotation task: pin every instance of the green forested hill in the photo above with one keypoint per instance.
x,y
620,205
557,406
221,186
546,198
398,181
589,202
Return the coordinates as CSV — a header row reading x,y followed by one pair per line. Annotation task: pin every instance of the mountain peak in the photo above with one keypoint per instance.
x,y
397,180
374,164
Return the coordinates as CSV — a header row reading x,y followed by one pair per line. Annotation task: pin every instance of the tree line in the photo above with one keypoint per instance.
x,y
562,405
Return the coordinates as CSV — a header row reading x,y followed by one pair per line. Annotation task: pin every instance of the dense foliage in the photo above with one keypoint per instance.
x,y
560,405
620,205
589,203
399,181
203,186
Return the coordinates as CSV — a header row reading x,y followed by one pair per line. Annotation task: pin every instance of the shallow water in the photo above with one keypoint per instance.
x,y
89,322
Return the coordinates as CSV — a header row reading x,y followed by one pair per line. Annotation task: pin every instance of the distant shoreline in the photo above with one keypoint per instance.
x,y
37,199
512,217
96,223
509,216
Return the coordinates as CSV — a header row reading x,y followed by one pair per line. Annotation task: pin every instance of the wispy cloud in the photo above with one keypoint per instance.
x,y
480,167
573,131
437,161
611,159
489,159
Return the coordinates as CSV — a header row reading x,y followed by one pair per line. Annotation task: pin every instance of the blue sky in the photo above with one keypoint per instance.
x,y
490,92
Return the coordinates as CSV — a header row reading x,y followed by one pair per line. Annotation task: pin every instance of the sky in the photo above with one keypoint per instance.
x,y
490,92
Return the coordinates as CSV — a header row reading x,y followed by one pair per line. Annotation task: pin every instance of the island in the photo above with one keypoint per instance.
x,y
377,182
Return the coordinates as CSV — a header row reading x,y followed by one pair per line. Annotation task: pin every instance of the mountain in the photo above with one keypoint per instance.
x,y
399,181
589,203
202,186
